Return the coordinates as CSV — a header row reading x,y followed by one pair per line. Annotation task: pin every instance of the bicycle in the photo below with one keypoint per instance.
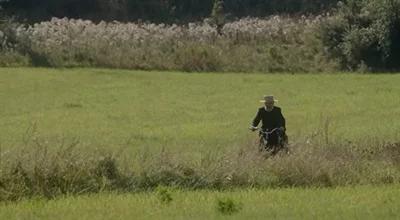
x,y
273,141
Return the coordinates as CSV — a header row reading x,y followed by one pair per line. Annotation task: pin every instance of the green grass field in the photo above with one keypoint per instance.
x,y
190,112
339,203
191,115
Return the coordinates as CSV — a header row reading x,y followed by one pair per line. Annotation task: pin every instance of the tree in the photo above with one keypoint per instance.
x,y
165,11
113,9
218,15
364,33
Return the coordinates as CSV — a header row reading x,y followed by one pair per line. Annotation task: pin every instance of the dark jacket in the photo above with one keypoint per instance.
x,y
270,120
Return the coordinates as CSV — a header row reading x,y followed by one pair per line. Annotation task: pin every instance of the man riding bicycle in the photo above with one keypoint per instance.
x,y
272,120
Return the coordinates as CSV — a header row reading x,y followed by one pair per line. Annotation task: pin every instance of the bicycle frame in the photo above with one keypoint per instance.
x,y
264,141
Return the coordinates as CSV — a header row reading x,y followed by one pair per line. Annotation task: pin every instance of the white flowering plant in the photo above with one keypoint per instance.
x,y
247,45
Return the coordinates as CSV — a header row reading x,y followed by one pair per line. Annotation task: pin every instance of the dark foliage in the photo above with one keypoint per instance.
x,y
155,10
365,34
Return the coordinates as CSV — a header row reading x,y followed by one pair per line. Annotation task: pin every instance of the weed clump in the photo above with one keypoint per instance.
x,y
164,195
228,206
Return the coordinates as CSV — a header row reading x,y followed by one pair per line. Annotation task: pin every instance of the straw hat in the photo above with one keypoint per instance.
x,y
268,99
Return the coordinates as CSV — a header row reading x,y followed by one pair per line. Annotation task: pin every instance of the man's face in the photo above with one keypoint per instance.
x,y
269,105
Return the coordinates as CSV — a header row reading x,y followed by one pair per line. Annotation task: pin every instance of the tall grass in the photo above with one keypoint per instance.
x,y
41,169
273,44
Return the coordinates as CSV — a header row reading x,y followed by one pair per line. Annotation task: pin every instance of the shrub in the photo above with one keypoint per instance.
x,y
11,58
9,51
364,32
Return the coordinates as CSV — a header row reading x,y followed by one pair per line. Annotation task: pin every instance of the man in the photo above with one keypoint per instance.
x,y
270,115
271,118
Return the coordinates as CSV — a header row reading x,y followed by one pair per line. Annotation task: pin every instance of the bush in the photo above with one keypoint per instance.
x,y
364,33
9,51
11,58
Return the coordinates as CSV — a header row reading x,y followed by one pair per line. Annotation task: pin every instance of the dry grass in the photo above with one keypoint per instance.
x,y
274,44
44,169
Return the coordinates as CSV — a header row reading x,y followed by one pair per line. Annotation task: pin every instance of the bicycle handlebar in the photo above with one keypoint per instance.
x,y
267,132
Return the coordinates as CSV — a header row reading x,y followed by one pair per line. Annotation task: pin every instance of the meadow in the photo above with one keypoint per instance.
x,y
190,113
121,134
340,203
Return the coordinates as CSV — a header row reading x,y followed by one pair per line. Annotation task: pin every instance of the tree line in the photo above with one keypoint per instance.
x,y
156,10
